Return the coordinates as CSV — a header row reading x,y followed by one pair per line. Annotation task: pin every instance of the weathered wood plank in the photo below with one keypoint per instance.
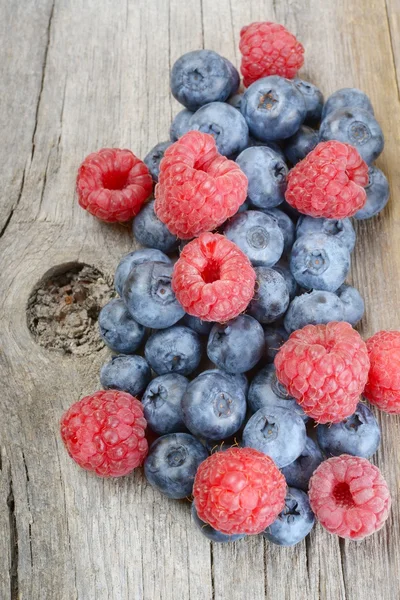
x,y
96,75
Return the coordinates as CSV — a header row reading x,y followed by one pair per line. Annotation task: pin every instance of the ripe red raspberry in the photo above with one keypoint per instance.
x,y
269,49
328,182
113,184
325,367
383,385
104,433
198,189
213,279
240,490
349,496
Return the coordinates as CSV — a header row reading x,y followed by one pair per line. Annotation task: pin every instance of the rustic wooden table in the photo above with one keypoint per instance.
x,y
77,75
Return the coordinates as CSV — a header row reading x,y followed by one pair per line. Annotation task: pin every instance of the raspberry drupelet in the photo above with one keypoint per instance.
x,y
329,182
113,184
383,386
325,367
213,279
104,433
240,490
198,189
269,49
349,496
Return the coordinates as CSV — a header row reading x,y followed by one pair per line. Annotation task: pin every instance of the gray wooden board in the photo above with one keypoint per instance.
x,y
77,75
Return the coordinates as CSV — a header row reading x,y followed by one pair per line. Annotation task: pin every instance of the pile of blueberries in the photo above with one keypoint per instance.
x,y
207,386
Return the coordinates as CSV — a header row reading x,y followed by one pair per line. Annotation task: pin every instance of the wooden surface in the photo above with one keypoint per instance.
x,y
77,75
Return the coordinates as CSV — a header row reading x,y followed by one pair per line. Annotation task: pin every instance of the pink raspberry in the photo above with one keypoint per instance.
x,y
213,279
383,386
325,367
113,184
240,490
269,49
349,496
104,433
329,182
198,189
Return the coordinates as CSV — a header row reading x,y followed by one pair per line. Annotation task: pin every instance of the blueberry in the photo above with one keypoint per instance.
x,y
340,229
347,98
214,406
235,100
274,108
234,77
266,173
162,403
353,304
126,373
274,338
199,326
300,144
266,392
272,145
319,261
278,432
120,332
173,350
149,231
202,76
153,158
299,472
148,295
239,379
132,259
225,124
313,98
257,235
377,194
289,210
212,534
180,124
357,127
294,522
236,346
172,463
283,269
285,224
358,435
313,308
271,297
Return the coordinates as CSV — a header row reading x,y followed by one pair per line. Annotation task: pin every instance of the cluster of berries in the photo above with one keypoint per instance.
x,y
270,454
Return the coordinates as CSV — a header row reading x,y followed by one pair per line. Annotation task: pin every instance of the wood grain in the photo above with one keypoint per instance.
x,y
80,75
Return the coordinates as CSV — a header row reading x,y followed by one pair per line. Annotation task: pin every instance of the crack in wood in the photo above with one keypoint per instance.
x,y
8,220
13,570
202,24
29,508
62,113
393,53
212,572
46,52
342,552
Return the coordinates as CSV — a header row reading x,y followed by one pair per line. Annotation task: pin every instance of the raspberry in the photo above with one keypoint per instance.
x,y
328,182
325,367
383,386
269,49
113,184
240,490
213,279
104,433
198,188
349,496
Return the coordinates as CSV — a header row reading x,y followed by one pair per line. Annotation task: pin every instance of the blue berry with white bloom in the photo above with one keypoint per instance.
x,y
257,235
278,432
199,326
162,403
180,124
149,231
275,337
271,297
154,157
341,229
225,124
313,308
120,332
266,172
295,521
176,349
274,108
377,194
347,98
320,262
172,463
285,224
236,346
132,259
299,472
314,100
352,302
282,267
127,373
212,534
300,144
